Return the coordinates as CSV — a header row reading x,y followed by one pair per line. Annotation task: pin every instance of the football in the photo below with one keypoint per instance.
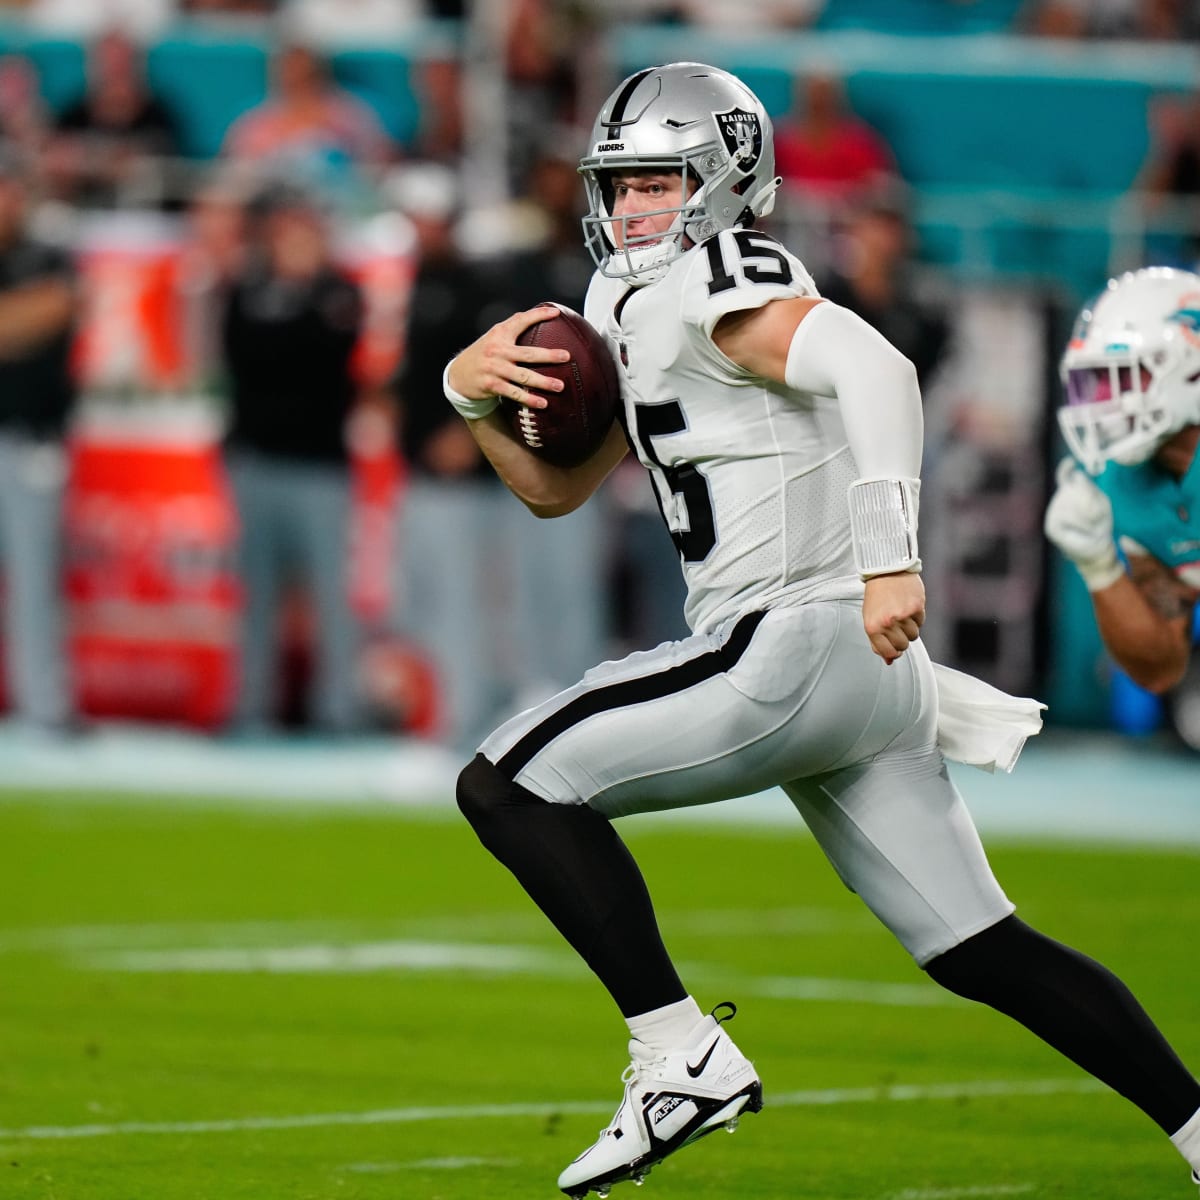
x,y
572,427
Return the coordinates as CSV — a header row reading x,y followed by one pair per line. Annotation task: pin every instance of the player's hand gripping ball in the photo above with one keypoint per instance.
x,y
575,422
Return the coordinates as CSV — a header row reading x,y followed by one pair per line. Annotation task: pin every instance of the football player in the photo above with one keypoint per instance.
x,y
1132,419
783,437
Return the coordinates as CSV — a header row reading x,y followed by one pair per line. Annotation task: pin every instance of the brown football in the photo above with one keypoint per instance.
x,y
572,427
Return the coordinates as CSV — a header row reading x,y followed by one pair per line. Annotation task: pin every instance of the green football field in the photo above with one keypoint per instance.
x,y
214,1002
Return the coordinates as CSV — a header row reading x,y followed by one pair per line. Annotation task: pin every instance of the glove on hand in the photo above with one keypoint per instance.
x,y
1079,522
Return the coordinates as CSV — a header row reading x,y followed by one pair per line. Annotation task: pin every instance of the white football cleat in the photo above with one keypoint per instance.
x,y
671,1099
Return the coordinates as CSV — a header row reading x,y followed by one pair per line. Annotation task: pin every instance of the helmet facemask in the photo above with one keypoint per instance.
x,y
641,258
684,119
1131,373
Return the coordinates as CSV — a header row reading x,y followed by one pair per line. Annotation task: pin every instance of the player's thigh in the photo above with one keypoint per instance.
x,y
899,834
768,698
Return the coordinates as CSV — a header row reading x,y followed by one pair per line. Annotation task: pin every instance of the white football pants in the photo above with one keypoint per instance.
x,y
790,697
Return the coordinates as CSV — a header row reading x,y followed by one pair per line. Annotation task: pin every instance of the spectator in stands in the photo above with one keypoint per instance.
x,y
212,260
452,600
442,122
544,42
874,278
24,118
824,152
1169,181
115,144
38,306
289,331
309,126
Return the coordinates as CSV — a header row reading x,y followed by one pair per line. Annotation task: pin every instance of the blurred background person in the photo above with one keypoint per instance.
x,y
875,276
212,259
440,134
544,41
825,152
38,307
289,331
310,127
115,143
1168,184
24,114
451,565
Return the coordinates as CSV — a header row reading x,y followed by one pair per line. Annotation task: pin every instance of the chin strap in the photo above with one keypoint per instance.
x,y
763,201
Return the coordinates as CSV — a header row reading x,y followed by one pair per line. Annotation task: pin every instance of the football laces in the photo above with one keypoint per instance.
x,y
527,419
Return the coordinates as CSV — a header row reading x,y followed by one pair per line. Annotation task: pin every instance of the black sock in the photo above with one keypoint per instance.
x,y
581,875
1079,1007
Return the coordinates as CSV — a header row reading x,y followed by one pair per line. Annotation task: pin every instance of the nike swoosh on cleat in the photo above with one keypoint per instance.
x,y
698,1069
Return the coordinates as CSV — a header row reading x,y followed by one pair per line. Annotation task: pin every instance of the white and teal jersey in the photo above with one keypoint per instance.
x,y
1154,513
751,476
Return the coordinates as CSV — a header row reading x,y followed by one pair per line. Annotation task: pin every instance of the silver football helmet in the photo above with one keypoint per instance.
x,y
1131,370
682,117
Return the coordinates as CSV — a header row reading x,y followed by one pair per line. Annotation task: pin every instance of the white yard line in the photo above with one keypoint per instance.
x,y
340,959
334,958
457,1162
794,922
963,1193
897,1094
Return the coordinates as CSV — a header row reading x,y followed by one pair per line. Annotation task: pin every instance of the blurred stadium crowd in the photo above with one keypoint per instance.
x,y
240,238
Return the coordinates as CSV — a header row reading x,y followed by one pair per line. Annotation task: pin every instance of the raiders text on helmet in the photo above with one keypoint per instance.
x,y
1132,368
683,117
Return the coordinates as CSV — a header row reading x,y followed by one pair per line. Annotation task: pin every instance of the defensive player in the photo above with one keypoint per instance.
x,y
783,436
1132,419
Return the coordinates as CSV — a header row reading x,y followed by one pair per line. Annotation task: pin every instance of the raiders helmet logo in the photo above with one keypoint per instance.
x,y
741,132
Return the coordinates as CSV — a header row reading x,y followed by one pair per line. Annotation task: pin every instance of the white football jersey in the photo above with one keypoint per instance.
x,y
751,475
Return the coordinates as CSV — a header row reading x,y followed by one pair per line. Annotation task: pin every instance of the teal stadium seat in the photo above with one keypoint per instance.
x,y
208,79
920,16
207,83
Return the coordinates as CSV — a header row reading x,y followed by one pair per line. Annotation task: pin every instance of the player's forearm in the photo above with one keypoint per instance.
x,y
1150,648
546,490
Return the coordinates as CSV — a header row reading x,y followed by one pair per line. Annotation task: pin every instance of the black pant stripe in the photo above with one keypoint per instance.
x,y
632,691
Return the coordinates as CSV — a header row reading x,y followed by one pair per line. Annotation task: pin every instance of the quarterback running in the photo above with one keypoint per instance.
x,y
783,438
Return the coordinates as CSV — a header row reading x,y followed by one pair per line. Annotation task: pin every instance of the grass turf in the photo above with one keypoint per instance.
x,y
152,1084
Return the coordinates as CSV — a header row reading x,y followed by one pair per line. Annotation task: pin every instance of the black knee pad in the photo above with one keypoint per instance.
x,y
484,793
481,789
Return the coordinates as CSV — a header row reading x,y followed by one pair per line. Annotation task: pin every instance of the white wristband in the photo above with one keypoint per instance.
x,y
472,410
883,525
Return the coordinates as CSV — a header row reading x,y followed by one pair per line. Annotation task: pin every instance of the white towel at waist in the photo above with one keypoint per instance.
x,y
981,725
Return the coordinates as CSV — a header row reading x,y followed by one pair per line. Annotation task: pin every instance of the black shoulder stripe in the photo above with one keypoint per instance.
x,y
632,691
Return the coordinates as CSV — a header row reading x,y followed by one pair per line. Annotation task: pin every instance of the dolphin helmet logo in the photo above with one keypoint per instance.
x,y
1187,317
